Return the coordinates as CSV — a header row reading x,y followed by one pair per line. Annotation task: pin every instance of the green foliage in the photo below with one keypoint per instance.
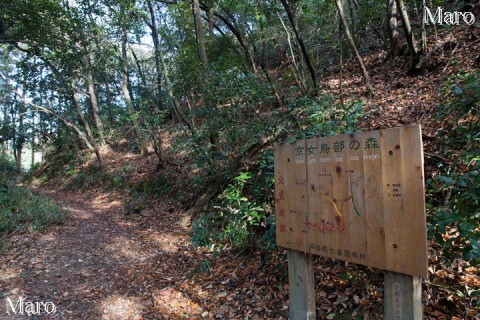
x,y
7,170
157,185
455,192
21,209
326,118
234,221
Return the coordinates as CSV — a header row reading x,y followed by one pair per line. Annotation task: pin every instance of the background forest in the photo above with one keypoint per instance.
x,y
174,106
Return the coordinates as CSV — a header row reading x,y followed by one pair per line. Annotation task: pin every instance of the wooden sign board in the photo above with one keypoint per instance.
x,y
355,197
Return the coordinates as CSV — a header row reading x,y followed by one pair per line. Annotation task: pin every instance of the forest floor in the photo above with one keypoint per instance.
x,y
104,264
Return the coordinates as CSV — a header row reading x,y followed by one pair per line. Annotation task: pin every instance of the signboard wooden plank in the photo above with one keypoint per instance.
x,y
356,185
355,197
313,201
393,201
414,200
374,194
300,193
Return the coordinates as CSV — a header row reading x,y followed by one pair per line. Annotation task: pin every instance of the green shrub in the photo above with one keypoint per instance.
x,y
21,209
454,194
8,170
234,221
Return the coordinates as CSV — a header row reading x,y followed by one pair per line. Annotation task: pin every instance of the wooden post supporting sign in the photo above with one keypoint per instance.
x,y
301,286
402,297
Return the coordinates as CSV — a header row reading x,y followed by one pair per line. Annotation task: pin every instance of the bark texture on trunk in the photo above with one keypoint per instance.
x,y
412,46
293,21
353,47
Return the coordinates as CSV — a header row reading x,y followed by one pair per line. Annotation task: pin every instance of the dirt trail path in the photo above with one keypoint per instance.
x,y
100,265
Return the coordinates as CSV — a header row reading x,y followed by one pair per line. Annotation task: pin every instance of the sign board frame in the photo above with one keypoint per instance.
x,y
368,200
355,197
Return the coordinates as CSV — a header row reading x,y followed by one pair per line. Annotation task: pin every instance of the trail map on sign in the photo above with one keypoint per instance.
x,y
355,197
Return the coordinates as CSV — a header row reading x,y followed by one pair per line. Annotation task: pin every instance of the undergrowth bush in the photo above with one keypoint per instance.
x,y
7,170
21,209
454,193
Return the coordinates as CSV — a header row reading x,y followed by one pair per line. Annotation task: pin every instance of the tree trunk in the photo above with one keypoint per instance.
x,y
293,21
340,40
199,34
239,36
424,31
4,131
353,47
33,140
20,139
85,124
211,14
156,45
392,27
128,98
412,47
353,15
176,105
97,120
213,135
296,70
111,117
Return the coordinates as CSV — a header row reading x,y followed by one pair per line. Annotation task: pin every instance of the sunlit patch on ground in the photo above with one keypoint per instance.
x,y
9,273
128,249
104,201
120,308
171,302
167,242
81,214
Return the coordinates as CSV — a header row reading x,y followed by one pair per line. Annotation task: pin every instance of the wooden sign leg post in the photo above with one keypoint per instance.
x,y
402,297
301,286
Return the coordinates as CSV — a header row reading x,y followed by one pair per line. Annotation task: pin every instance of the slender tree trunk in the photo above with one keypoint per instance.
x,y
199,34
33,139
97,120
140,72
21,135
424,31
296,70
353,47
392,27
176,105
242,42
353,15
88,130
340,37
239,36
156,45
111,117
213,135
5,131
128,98
293,21
412,47
211,14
